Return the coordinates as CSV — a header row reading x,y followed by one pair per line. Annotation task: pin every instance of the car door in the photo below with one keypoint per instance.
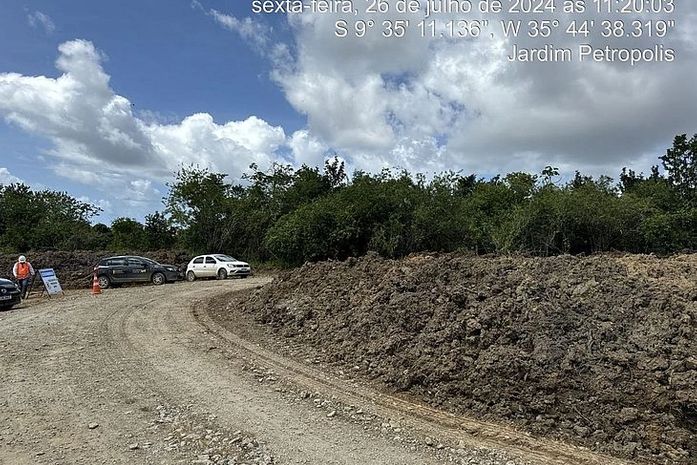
x,y
117,270
137,270
210,267
197,267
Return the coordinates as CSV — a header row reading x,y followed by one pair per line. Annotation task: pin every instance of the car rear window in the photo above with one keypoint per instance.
x,y
198,261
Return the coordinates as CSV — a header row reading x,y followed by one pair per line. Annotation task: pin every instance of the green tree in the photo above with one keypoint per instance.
x,y
98,238
198,203
680,162
335,172
128,234
159,232
42,219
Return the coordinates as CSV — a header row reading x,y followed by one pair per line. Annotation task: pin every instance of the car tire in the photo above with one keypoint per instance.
x,y
158,279
222,273
191,276
104,282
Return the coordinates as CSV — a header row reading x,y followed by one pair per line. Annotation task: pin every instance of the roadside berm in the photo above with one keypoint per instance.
x,y
599,351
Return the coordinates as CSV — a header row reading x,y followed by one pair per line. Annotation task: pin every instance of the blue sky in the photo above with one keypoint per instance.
x,y
167,57
107,99
164,55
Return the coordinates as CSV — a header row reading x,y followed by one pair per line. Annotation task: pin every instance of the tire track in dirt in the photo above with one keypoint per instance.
x,y
165,343
48,400
115,360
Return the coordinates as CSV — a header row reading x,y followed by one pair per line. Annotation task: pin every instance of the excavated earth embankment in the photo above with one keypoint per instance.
x,y
600,351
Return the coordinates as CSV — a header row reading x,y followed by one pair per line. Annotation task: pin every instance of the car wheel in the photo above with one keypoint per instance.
x,y
191,276
222,273
158,278
104,282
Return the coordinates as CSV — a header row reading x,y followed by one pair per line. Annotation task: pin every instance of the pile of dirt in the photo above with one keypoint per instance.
x,y
74,269
599,350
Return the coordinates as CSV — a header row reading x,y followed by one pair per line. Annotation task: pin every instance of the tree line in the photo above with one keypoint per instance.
x,y
290,216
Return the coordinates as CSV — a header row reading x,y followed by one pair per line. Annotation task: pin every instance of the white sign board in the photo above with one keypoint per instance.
x,y
50,280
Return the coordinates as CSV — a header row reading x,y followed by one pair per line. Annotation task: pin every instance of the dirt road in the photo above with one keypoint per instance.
x,y
141,375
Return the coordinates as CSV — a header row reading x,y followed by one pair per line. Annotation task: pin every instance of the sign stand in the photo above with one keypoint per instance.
x,y
50,281
31,287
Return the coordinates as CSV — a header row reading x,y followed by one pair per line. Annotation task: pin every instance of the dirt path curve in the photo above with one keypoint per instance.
x,y
137,375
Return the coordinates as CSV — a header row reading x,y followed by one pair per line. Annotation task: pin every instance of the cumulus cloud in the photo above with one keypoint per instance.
x,y
41,20
8,178
97,137
307,149
433,104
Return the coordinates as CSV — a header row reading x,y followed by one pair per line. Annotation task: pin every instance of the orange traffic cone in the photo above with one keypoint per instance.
x,y
96,290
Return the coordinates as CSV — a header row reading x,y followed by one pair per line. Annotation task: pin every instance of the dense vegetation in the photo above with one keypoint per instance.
x,y
295,215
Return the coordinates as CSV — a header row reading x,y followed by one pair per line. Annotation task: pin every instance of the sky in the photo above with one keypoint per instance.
x,y
106,100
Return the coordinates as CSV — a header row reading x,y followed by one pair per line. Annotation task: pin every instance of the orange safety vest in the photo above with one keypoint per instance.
x,y
23,270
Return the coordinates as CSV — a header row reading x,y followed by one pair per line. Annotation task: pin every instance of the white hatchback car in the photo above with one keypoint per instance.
x,y
216,266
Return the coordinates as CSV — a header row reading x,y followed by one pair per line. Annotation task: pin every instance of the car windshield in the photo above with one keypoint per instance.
x,y
150,262
225,258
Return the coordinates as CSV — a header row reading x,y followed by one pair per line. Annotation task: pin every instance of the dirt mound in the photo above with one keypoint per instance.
x,y
600,350
74,269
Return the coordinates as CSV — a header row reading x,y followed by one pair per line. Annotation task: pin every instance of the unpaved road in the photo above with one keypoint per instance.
x,y
142,375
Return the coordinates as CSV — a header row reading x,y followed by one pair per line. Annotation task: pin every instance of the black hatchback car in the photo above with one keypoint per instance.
x,y
9,294
131,269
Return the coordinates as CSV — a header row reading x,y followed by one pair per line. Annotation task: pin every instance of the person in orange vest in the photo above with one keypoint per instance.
x,y
23,272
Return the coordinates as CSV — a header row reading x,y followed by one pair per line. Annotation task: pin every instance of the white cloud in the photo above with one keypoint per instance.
x,y
459,104
253,31
347,115
307,149
99,140
8,178
230,147
97,137
250,30
41,20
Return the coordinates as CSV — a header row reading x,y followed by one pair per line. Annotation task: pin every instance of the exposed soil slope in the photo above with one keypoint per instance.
x,y
599,350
